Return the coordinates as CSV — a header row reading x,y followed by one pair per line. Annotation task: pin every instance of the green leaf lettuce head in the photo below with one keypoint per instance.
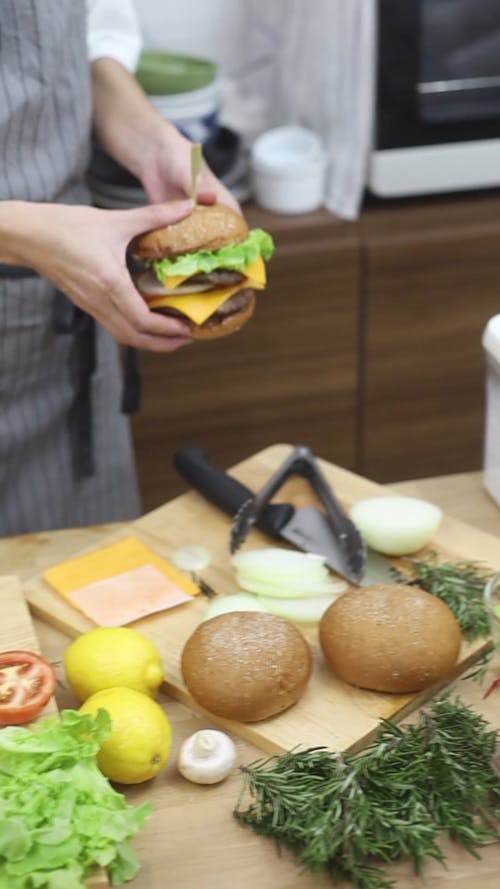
x,y
233,256
59,816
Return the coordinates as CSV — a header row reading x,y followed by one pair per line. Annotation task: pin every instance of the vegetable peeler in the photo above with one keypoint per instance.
x,y
328,531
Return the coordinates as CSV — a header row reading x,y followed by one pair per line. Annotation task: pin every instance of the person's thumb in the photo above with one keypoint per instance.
x,y
143,219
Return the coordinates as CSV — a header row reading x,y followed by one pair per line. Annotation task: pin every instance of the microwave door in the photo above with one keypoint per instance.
x,y
437,106
459,66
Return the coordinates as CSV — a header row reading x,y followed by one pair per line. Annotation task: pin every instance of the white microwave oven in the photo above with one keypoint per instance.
x,y
437,97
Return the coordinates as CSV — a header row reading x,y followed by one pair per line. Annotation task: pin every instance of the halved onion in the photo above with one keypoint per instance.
x,y
233,602
308,610
396,526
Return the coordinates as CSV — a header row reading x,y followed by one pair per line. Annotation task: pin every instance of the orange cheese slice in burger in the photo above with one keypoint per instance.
x,y
199,306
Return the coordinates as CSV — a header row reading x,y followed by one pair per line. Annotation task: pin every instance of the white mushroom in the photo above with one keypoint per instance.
x,y
206,757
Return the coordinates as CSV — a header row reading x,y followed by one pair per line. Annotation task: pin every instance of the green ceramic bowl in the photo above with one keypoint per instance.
x,y
162,74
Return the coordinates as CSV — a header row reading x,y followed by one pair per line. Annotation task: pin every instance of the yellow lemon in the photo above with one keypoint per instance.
x,y
110,656
141,737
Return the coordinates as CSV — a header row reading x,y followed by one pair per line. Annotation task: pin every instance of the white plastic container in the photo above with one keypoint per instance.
x,y
287,167
195,113
491,464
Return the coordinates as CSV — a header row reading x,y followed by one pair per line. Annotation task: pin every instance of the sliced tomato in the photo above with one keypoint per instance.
x,y
27,681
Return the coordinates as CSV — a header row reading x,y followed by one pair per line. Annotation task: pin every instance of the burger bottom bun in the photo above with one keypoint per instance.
x,y
217,325
246,665
390,638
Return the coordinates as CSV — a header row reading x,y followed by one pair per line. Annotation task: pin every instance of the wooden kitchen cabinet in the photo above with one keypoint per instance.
x,y
290,375
431,281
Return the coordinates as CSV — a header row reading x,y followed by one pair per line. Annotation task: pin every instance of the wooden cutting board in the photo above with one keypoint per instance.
x,y
16,627
17,632
331,712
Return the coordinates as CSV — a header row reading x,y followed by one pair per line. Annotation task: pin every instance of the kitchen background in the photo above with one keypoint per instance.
x,y
367,344
284,62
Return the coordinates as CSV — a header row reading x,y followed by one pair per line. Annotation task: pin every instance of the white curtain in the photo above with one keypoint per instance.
x,y
313,64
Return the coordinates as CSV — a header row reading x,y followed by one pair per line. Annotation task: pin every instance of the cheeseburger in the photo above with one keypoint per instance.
x,y
204,269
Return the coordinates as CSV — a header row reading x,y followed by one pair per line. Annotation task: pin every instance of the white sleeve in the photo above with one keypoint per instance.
x,y
113,30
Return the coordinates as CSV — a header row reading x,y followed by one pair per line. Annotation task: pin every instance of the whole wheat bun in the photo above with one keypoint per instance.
x,y
390,638
206,228
246,665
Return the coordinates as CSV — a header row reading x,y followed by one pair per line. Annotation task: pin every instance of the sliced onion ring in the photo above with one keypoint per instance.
x,y
149,283
305,611
287,590
191,558
275,565
285,575
233,602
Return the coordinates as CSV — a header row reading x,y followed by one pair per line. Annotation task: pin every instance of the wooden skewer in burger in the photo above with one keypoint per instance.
x,y
205,268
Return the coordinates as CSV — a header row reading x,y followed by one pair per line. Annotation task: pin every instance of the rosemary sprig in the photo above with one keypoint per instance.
x,y
479,670
459,584
348,816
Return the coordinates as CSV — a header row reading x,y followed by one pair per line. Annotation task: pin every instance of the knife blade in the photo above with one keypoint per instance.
x,y
349,544
306,527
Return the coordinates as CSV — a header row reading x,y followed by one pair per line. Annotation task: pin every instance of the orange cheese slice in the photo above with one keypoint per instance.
x,y
174,281
200,306
255,272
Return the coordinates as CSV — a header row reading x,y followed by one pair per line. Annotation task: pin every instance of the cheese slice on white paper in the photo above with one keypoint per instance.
x,y
128,596
120,582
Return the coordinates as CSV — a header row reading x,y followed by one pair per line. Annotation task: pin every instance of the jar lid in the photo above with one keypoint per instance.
x,y
287,149
491,337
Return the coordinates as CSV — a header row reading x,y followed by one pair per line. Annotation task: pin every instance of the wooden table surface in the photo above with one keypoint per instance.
x,y
192,841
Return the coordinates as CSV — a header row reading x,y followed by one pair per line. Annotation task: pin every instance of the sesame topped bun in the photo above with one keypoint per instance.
x,y
206,228
246,665
390,637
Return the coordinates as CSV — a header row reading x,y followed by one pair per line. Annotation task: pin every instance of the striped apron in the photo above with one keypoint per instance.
x,y
66,456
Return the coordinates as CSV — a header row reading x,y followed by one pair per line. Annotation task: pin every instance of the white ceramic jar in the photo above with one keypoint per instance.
x,y
287,167
491,453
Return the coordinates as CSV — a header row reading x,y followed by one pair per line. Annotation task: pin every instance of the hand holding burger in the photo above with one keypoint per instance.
x,y
204,269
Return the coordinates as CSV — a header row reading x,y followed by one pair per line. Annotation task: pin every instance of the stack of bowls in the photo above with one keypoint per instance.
x,y
184,90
